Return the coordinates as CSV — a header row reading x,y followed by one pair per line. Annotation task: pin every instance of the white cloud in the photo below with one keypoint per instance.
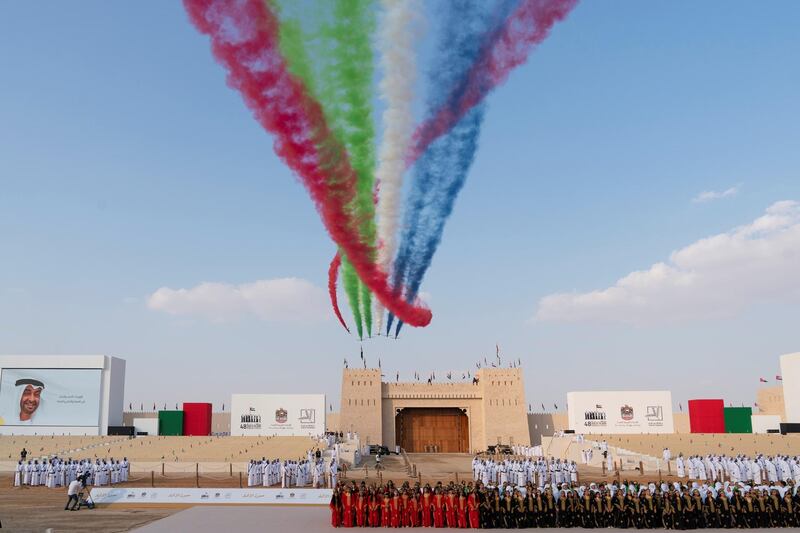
x,y
714,277
708,196
284,299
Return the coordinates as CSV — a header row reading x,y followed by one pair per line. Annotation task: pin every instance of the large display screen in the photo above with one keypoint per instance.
x,y
49,397
620,412
278,414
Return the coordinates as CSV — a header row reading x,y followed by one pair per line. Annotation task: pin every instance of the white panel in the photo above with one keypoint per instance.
x,y
147,425
625,412
116,391
149,495
790,372
762,423
278,414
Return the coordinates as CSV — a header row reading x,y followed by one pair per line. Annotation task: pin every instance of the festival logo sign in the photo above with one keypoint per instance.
x,y
595,417
308,418
251,419
655,413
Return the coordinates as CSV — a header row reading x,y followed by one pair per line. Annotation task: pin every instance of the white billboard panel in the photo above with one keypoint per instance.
x,y
620,412
278,414
790,372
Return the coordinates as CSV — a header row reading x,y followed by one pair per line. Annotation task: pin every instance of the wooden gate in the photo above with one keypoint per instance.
x,y
442,430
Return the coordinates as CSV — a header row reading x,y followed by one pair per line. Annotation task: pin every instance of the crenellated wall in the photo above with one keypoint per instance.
x,y
495,405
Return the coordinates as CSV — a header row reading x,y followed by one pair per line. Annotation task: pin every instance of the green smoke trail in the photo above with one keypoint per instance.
x,y
345,91
351,79
352,285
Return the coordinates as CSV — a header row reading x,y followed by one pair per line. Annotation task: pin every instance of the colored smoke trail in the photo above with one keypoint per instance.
x,y
446,163
333,271
352,288
396,45
298,62
440,173
244,39
345,92
508,47
347,100
466,25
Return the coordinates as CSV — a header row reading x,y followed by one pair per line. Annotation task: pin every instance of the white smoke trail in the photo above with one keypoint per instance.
x,y
397,36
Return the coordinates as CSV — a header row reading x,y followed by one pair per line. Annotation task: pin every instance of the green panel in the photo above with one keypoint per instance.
x,y
170,422
737,420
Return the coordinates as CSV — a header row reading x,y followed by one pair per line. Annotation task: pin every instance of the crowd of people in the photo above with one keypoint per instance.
x,y
624,505
315,471
737,468
311,473
56,472
517,471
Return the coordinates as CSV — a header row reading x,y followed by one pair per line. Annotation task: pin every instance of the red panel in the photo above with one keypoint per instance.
x,y
707,416
197,419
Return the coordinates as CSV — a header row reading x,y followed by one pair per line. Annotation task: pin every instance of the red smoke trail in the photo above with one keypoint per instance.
x,y
333,273
244,38
508,48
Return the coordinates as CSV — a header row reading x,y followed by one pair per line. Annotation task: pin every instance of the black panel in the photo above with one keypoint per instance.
x,y
121,430
790,428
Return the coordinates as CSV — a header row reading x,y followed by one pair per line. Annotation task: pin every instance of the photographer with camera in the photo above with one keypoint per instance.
x,y
75,491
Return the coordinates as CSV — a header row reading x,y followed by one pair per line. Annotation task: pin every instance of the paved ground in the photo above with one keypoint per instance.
x,y
39,508
442,463
282,519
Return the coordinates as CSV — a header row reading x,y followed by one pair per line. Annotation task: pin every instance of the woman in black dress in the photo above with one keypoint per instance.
x,y
507,511
519,510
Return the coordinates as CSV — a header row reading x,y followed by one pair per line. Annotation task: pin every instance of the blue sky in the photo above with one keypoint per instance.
x,y
127,165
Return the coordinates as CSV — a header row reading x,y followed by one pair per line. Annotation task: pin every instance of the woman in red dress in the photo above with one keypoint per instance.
x,y
386,510
347,508
462,510
450,504
413,510
472,509
425,507
361,508
438,511
395,509
374,509
405,518
336,509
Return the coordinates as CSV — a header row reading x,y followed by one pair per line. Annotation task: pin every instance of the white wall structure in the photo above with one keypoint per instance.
x,y
278,414
764,423
63,394
620,412
790,372
146,425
